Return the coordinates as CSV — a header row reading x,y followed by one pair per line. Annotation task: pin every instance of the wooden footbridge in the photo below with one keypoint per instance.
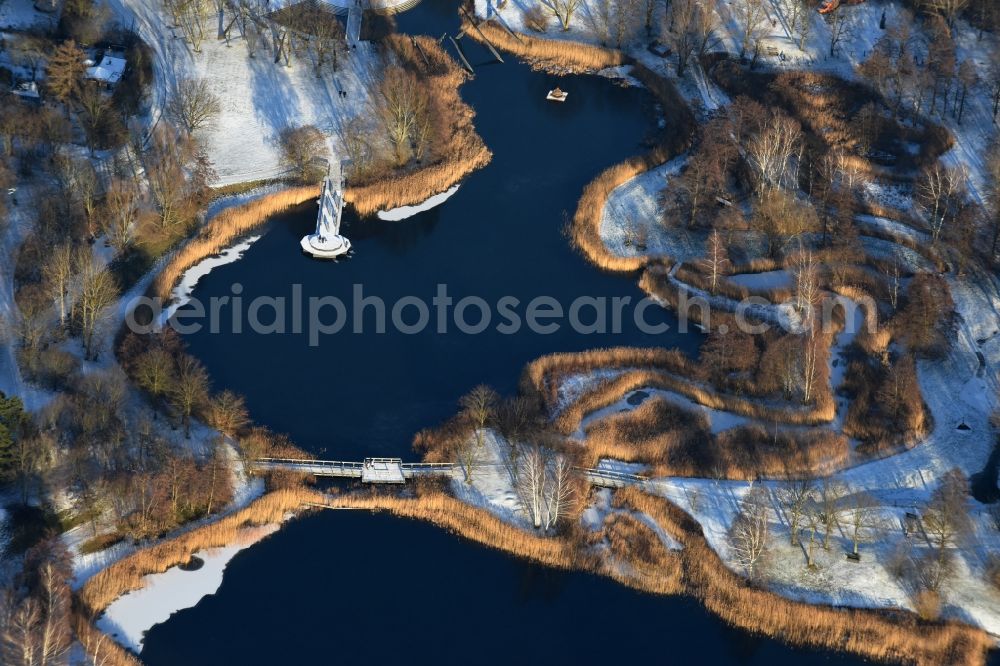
x,y
394,470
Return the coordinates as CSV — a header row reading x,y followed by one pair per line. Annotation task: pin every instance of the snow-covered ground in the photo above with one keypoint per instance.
x,y
632,223
259,98
22,15
129,617
718,420
780,279
492,486
18,224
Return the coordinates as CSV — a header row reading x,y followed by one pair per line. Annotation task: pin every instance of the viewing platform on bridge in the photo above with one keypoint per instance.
x,y
382,470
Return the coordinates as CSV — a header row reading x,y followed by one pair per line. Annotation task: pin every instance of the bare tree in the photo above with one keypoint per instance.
x,y
993,198
617,22
563,10
994,79
562,490
770,152
949,9
192,105
679,31
402,106
228,413
705,24
121,210
479,406
750,532
78,177
189,390
968,79
938,193
946,517
305,152
795,496
154,372
752,15
354,136
55,635
863,518
21,635
531,478
58,272
840,29
831,493
98,292
716,262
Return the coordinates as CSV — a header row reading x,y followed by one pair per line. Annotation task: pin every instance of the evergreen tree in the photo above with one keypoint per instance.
x,y
12,422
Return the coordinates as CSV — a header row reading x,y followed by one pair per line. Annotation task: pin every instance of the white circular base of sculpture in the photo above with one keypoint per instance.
x,y
325,247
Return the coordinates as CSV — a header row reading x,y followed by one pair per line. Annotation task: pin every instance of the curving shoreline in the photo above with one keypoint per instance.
x,y
455,519
697,570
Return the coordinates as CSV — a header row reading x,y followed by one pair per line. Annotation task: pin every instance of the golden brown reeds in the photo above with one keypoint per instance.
x,y
222,230
457,149
887,636
676,442
656,433
638,556
609,392
432,505
693,275
585,230
554,55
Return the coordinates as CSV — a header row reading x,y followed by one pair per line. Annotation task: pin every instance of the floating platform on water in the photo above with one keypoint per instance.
x,y
382,470
557,95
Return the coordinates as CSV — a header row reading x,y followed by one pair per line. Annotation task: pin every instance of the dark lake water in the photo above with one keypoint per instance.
x,y
500,235
350,587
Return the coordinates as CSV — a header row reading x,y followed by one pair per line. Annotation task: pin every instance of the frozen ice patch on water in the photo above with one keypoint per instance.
x,y
130,616
181,294
404,212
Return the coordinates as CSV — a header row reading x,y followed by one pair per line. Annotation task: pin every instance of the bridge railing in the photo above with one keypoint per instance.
x,y
605,477
300,462
613,477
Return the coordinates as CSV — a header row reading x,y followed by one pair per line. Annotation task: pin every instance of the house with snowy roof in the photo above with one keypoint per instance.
x,y
108,71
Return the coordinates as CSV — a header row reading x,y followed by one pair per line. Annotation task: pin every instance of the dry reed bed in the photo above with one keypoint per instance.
x,y
585,230
676,442
636,556
888,636
541,378
460,150
611,391
222,230
558,56
639,560
431,504
692,275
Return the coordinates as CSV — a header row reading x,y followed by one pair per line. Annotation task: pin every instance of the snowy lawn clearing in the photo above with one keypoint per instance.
x,y
259,98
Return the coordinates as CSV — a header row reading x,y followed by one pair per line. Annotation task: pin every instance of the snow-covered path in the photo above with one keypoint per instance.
x,y
19,221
